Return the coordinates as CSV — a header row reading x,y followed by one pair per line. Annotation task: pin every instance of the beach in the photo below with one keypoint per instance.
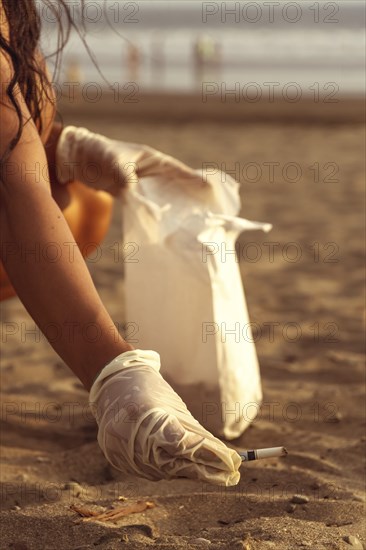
x,y
301,168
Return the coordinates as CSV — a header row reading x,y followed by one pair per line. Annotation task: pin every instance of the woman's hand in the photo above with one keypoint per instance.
x,y
110,165
146,430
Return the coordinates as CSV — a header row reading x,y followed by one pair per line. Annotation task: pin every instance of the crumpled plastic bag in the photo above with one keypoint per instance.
x,y
184,294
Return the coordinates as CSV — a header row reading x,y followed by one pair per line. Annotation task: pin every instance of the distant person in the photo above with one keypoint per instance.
x,y
144,426
133,62
74,72
157,58
74,75
206,53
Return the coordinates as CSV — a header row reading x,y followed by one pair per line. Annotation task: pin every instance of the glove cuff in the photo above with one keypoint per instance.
x,y
63,150
133,358
66,148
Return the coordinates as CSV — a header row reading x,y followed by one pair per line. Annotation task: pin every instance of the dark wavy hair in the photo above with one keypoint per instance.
x,y
22,47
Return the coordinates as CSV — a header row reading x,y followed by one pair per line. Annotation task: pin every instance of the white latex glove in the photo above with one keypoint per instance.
x,y
146,430
109,165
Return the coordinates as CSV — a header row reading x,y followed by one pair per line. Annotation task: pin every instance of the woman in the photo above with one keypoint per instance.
x,y
144,427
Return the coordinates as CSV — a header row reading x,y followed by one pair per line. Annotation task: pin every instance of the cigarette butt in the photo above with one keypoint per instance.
x,y
257,454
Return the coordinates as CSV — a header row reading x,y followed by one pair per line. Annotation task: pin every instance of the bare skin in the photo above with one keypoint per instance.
x,y
59,292
80,205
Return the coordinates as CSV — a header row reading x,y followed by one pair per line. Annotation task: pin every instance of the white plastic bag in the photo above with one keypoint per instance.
x,y
183,294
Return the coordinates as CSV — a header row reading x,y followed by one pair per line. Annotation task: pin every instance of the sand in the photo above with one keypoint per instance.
x,y
305,298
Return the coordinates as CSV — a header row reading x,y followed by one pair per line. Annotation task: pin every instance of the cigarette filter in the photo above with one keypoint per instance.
x,y
257,454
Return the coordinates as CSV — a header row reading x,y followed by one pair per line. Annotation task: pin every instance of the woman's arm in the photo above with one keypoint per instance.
x,y
40,255
50,149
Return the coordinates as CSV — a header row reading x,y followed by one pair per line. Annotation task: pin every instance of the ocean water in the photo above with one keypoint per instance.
x,y
250,49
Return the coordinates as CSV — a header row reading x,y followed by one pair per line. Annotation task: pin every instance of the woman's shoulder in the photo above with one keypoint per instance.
x,y
4,25
46,90
6,70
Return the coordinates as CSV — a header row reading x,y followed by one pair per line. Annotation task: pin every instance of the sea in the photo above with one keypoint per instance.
x,y
267,48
